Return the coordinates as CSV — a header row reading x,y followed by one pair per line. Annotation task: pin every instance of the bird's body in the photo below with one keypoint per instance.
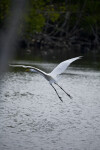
x,y
53,76
47,76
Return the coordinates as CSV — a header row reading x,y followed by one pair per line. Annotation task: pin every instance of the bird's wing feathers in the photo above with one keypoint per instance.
x,y
63,66
32,69
57,71
20,66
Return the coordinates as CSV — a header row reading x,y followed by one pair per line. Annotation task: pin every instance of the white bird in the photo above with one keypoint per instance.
x,y
53,76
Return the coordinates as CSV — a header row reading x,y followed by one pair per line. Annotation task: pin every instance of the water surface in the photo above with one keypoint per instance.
x,y
33,118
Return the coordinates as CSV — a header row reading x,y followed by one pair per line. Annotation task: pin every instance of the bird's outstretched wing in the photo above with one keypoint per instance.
x,y
23,66
31,68
63,66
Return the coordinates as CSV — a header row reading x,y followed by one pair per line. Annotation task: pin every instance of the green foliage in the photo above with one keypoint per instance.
x,y
34,19
73,8
52,13
92,7
34,22
4,10
41,11
54,16
91,15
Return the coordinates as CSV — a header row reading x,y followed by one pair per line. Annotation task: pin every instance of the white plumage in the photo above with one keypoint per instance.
x,y
63,66
52,77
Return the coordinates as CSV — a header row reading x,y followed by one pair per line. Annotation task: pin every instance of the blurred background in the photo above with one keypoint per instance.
x,y
52,30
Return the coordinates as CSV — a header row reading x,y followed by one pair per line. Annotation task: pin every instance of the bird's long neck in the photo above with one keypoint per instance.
x,y
45,75
40,71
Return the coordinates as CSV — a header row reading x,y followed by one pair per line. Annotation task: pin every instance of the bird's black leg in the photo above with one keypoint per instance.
x,y
64,91
57,93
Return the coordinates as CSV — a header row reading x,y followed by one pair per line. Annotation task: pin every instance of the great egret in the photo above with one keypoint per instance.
x,y
53,76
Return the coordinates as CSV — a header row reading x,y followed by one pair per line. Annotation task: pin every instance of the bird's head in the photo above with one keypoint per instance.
x,y
30,70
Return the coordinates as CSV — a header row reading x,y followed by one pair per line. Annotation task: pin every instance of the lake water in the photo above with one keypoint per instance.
x,y
33,118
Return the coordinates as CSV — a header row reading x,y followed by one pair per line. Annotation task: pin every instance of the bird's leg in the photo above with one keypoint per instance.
x,y
64,91
57,93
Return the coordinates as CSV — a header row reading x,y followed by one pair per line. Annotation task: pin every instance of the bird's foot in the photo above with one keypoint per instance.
x,y
60,98
70,96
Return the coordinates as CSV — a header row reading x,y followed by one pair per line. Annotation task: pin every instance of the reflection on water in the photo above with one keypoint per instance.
x,y
32,116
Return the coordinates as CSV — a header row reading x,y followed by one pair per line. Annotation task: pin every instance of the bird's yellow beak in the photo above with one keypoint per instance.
x,y
27,70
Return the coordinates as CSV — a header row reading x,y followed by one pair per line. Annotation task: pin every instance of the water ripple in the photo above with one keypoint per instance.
x,y
32,117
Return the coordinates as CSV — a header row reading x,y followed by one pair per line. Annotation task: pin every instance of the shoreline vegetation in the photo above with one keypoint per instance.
x,y
56,29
